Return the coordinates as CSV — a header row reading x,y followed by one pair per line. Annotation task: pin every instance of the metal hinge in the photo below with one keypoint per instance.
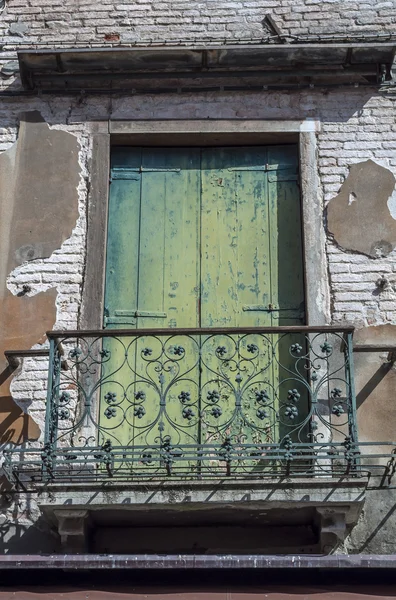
x,y
266,167
260,307
128,317
133,173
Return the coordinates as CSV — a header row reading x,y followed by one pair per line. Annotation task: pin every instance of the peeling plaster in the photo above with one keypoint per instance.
x,y
360,216
392,205
375,384
39,179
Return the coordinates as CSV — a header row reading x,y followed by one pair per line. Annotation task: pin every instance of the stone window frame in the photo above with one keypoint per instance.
x,y
201,132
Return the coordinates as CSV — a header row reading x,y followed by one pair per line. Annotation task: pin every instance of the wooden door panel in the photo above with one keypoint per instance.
x,y
145,373
235,237
122,260
169,237
207,238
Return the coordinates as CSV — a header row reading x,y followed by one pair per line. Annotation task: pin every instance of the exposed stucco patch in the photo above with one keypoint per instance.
x,y
23,322
39,177
359,216
375,380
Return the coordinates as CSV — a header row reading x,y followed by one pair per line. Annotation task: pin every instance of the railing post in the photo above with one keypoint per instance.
x,y
51,416
350,374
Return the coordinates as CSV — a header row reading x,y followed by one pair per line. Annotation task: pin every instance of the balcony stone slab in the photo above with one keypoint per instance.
x,y
280,516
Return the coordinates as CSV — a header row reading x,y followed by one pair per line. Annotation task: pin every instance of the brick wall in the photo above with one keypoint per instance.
x,y
354,127
84,21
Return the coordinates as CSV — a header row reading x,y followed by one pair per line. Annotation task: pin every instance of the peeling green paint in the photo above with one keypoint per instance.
x,y
211,224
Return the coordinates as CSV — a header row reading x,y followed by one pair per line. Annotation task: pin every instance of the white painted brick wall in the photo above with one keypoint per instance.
x,y
63,270
85,21
350,120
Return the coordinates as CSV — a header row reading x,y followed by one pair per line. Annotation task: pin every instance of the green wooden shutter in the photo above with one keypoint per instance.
x,y
152,272
197,237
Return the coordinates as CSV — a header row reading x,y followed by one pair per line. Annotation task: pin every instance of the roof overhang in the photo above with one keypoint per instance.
x,y
180,68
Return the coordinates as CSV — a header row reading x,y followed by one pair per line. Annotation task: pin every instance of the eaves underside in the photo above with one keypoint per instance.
x,y
228,67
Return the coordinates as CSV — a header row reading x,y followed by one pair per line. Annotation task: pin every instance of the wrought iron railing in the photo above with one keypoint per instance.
x,y
196,403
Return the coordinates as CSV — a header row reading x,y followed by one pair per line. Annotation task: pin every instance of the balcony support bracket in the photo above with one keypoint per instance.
x,y
73,528
332,527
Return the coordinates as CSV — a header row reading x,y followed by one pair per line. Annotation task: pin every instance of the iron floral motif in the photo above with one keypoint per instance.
x,y
139,411
229,400
291,412
110,412
184,397
216,412
326,348
221,351
188,413
262,396
213,396
111,397
293,395
252,348
338,410
262,413
178,350
296,348
75,352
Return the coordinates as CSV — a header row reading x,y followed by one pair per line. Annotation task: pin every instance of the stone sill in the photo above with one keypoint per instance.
x,y
238,490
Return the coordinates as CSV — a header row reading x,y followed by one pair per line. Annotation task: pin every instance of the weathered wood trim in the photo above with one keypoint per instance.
x,y
91,316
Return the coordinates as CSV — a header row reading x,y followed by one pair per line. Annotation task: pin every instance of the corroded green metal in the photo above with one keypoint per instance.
x,y
197,405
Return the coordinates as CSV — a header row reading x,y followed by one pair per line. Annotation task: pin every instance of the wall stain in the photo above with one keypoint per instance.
x,y
39,176
359,217
375,379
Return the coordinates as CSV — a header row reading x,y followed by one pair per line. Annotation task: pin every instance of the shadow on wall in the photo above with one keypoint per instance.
x,y
22,529
39,176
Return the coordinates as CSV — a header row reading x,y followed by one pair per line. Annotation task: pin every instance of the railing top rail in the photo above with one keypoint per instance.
x,y
374,348
198,331
13,356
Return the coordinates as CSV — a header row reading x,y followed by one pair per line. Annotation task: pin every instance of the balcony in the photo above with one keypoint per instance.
x,y
246,425
138,405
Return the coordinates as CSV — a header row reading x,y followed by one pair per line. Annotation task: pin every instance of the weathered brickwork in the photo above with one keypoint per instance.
x,y
86,21
354,127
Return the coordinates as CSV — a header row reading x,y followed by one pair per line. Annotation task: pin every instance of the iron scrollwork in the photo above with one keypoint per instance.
x,y
192,405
